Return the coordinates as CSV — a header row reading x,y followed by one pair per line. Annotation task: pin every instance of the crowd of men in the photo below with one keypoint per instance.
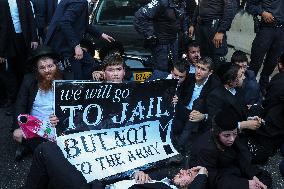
x,y
225,120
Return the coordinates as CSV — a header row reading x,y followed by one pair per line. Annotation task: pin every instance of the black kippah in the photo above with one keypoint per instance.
x,y
227,119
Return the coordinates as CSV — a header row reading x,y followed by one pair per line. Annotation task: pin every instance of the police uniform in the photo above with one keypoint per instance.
x,y
210,17
160,21
269,39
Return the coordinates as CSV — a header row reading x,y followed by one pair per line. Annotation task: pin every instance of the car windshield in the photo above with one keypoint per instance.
x,y
117,11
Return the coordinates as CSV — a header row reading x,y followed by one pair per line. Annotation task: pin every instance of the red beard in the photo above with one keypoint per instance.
x,y
45,81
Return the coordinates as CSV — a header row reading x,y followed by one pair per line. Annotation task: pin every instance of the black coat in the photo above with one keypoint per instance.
x,y
229,168
221,97
7,29
274,108
199,104
68,26
26,97
212,83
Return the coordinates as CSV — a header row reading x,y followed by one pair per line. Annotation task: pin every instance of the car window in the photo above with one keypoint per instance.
x,y
117,11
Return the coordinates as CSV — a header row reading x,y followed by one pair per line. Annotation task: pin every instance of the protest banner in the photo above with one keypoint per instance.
x,y
108,129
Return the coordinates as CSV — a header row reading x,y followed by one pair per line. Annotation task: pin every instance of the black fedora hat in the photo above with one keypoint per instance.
x,y
41,52
227,119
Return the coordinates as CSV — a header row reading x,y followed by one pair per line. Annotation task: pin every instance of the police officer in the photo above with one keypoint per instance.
x,y
269,39
160,21
211,20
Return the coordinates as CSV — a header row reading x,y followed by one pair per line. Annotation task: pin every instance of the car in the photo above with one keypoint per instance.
x,y
115,18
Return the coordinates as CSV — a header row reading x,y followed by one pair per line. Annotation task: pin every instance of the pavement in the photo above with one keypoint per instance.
x,y
13,174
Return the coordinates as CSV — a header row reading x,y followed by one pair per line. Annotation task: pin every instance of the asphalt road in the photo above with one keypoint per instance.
x,y
13,174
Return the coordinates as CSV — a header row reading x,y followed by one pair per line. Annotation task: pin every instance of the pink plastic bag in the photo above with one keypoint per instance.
x,y
33,127
29,125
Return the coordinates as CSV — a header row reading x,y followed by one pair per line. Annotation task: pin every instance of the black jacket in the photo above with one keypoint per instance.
x,y
25,98
7,30
68,26
161,18
227,168
256,7
208,10
274,108
221,97
212,83
200,104
251,89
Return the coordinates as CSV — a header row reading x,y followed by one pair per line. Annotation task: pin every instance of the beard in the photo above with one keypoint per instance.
x,y
45,80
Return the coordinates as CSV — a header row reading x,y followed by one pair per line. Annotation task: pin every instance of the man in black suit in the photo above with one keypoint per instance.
x,y
270,136
191,113
43,11
67,28
230,94
227,159
50,169
178,71
17,37
274,103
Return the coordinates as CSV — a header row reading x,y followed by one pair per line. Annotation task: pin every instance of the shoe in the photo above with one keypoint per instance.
x,y
21,152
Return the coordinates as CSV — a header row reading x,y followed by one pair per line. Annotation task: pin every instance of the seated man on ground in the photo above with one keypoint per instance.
x,y
192,56
194,178
111,48
227,159
250,86
268,138
36,96
231,94
192,115
179,72
50,169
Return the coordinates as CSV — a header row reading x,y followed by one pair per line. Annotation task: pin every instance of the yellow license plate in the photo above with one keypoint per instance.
x,y
141,76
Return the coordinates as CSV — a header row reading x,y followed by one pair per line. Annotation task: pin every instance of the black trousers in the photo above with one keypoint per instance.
x,y
17,66
9,85
161,55
269,41
50,169
205,33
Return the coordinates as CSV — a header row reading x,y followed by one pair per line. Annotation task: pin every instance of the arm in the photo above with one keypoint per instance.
x,y
3,29
253,7
21,104
93,31
228,16
193,21
32,26
143,20
208,158
214,104
96,33
71,13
